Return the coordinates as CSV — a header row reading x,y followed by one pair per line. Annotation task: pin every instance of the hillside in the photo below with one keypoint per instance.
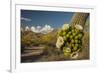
x,y
30,39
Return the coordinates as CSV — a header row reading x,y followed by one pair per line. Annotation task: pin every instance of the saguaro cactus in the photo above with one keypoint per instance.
x,y
79,18
70,37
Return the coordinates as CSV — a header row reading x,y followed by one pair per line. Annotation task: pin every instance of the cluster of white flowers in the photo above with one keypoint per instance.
x,y
60,39
74,55
60,42
79,27
65,27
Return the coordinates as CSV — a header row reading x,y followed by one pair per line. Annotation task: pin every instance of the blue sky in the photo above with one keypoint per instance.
x,y
41,18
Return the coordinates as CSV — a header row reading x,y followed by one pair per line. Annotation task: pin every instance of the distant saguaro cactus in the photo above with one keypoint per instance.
x,y
79,18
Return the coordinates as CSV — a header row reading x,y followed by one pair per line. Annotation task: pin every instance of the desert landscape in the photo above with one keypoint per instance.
x,y
42,46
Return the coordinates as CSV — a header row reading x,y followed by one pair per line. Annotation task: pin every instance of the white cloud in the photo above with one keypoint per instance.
x,y
39,29
27,28
25,19
46,29
34,29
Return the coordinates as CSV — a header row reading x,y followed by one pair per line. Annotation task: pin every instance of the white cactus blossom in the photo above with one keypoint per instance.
x,y
60,42
74,55
65,26
79,27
